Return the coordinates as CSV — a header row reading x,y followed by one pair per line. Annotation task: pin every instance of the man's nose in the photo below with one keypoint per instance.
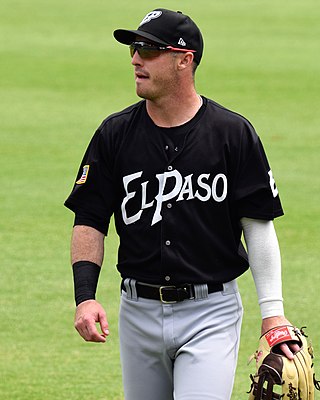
x,y
136,59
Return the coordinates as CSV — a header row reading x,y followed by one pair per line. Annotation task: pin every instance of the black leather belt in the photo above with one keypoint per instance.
x,y
171,294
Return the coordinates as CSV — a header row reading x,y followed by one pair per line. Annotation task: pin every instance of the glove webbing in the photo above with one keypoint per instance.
x,y
265,393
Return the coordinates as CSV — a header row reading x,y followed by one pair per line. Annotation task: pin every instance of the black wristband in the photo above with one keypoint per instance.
x,y
85,278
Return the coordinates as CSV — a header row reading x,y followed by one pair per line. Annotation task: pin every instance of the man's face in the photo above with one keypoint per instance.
x,y
155,77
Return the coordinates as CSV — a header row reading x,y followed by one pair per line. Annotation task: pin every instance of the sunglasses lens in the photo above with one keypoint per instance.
x,y
145,51
149,53
132,50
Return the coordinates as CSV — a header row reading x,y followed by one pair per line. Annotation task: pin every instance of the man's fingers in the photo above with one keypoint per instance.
x,y
92,334
86,326
289,349
294,347
87,329
286,351
104,324
88,314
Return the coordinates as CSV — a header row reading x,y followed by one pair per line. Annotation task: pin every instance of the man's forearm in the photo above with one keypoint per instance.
x,y
86,256
265,264
87,249
87,244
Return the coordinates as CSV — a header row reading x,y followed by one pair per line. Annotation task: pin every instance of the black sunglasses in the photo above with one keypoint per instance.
x,y
148,50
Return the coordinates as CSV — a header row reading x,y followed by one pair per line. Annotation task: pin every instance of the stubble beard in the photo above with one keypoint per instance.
x,y
159,88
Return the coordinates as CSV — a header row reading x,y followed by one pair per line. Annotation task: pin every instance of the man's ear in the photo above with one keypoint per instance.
x,y
185,60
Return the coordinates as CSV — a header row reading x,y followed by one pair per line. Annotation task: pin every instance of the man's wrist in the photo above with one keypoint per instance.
x,y
271,307
85,278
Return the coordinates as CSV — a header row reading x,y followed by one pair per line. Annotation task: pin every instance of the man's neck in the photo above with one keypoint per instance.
x,y
174,110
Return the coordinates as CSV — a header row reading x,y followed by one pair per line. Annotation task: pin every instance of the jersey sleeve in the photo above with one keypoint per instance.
x,y
93,194
256,193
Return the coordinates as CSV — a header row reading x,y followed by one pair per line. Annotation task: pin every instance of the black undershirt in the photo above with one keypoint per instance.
x,y
174,137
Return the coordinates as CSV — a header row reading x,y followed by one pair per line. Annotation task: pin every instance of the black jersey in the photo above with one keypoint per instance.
x,y
177,194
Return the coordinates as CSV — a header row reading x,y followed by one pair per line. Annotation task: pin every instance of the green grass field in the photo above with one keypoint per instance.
x,y
61,73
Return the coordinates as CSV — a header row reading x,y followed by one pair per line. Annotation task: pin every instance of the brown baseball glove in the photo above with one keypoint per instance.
x,y
278,377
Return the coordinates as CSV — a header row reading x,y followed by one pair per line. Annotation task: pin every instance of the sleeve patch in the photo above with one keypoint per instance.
x,y
84,175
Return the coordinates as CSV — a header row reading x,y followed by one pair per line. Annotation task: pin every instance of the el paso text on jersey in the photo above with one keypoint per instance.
x,y
205,187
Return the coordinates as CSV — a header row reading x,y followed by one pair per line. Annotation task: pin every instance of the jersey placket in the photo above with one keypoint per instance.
x,y
168,238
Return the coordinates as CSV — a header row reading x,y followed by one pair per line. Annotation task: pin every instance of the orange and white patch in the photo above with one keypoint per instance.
x,y
84,175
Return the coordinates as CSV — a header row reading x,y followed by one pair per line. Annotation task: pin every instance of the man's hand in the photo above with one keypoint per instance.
x,y
288,349
88,313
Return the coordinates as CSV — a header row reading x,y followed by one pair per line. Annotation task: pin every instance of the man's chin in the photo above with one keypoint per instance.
x,y
143,94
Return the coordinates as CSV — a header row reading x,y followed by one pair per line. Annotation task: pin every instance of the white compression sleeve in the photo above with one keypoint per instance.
x,y
265,263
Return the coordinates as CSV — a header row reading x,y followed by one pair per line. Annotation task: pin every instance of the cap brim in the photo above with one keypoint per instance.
x,y
127,37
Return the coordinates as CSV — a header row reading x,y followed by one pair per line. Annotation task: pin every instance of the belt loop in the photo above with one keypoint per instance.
x,y
200,292
230,287
130,285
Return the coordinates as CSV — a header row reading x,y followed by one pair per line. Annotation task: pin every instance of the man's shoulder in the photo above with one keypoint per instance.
x,y
124,116
226,115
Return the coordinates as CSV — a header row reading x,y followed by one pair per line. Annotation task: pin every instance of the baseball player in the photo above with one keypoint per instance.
x,y
183,177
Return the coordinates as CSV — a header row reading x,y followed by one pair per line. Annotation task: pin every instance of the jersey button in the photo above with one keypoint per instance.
x,y
167,148
170,168
167,278
168,242
169,205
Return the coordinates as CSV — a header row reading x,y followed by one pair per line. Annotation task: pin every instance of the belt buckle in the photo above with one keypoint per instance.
x,y
161,295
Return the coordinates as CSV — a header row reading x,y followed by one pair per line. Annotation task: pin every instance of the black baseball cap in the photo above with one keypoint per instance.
x,y
166,27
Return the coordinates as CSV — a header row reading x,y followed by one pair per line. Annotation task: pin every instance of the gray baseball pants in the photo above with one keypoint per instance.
x,y
182,351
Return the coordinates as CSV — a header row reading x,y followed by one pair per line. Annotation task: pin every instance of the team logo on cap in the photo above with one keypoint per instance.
x,y
149,17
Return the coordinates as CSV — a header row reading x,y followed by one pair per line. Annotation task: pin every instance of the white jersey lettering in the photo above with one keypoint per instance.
x,y
182,191
273,186
214,188
160,197
186,189
204,186
144,204
126,180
